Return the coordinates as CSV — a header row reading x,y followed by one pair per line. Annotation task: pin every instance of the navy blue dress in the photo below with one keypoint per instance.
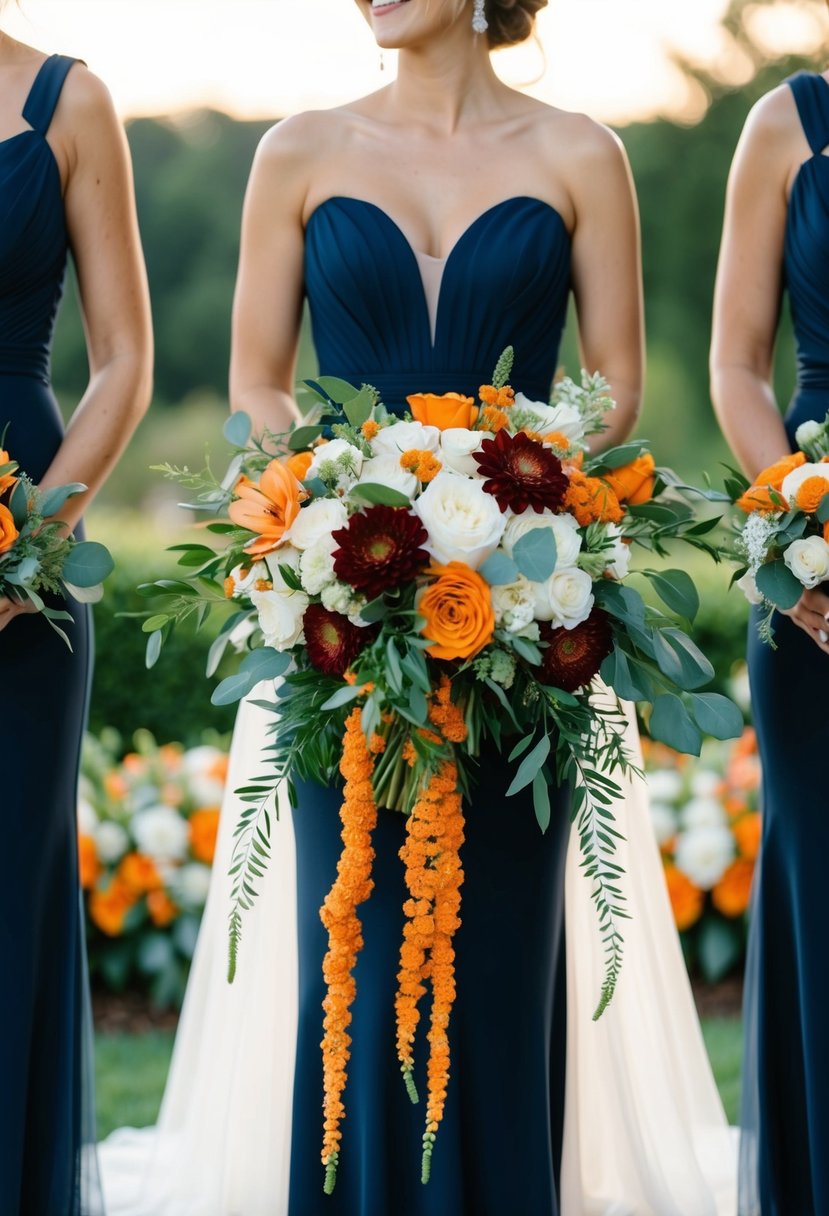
x,y
785,1146
498,1150
46,1132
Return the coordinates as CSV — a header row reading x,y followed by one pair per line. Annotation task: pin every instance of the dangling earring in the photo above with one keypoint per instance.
x,y
382,62
479,22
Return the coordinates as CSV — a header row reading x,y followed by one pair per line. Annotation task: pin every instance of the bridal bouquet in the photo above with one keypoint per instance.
x,y
37,558
783,545
428,588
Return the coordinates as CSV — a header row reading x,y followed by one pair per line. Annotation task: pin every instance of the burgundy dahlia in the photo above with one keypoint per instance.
x,y
333,643
521,473
380,549
573,656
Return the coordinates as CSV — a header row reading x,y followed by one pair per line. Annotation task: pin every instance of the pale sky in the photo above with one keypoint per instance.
x,y
259,58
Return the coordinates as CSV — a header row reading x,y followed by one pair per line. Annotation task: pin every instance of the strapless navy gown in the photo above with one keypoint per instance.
x,y
46,1132
506,281
784,1157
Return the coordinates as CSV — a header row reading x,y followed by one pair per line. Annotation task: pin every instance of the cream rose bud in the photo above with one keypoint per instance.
x,y
748,586
565,529
617,554
337,461
547,419
316,566
386,470
514,605
280,616
808,432
565,598
794,480
403,437
464,523
808,560
318,520
457,445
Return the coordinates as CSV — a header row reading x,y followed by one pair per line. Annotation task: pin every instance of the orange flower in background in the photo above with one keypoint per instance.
x,y
633,482
448,410
6,479
115,785
108,909
170,755
686,899
138,874
458,611
161,908
746,745
134,762
748,832
591,500
88,865
810,493
268,508
204,827
8,531
218,769
732,893
761,498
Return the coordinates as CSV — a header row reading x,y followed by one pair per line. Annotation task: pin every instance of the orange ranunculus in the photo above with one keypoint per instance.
x,y
686,899
88,865
458,610
633,482
108,908
161,908
591,500
747,832
204,827
732,893
268,508
8,531
138,874
761,498
451,409
299,464
810,493
6,479
777,473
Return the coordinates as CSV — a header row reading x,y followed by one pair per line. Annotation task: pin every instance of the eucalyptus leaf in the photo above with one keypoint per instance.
x,y
676,589
233,688
776,582
671,723
52,500
154,644
359,408
716,715
88,562
85,595
303,437
541,799
237,428
530,765
614,458
338,391
265,663
627,678
499,570
536,553
379,495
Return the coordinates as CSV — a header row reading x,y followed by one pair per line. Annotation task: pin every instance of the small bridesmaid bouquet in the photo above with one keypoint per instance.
x,y
37,558
783,545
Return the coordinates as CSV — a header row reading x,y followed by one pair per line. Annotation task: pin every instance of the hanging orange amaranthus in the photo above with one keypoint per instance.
x,y
352,886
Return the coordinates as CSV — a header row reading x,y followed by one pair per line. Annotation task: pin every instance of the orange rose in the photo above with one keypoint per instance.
x,y
591,500
451,409
748,832
268,508
204,827
138,874
777,473
633,482
761,498
107,909
6,479
732,893
458,612
299,464
88,866
161,908
8,531
686,899
811,492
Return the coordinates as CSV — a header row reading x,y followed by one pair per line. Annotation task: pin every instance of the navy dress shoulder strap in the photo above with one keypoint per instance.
x,y
811,95
45,92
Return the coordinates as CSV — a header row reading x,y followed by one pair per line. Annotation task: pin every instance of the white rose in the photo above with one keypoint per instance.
x,y
403,437
456,447
617,555
280,616
565,598
316,567
514,605
161,833
748,586
318,520
87,817
111,841
546,419
246,577
808,560
704,854
663,819
337,461
703,812
464,523
386,470
191,884
565,529
664,785
794,480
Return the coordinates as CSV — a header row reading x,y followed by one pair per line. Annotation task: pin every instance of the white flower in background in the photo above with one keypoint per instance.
x,y
386,470
240,633
456,447
703,812
111,841
201,760
87,817
617,554
808,560
664,785
739,687
161,833
563,418
339,597
316,566
706,783
402,437
464,523
704,853
280,616
514,605
748,586
808,432
317,521
246,577
663,819
565,598
338,463
198,765
190,885
564,528
794,480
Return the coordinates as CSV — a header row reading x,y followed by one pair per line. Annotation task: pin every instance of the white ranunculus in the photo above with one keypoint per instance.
x,y
808,560
386,470
87,817
191,884
316,566
663,819
703,812
564,528
464,523
664,785
808,432
111,841
337,461
748,586
457,445
546,419
317,521
794,480
246,577
338,597
280,616
617,555
704,854
565,598
161,833
404,437
514,605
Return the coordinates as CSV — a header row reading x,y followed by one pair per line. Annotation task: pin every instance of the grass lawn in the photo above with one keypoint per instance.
x,y
131,1070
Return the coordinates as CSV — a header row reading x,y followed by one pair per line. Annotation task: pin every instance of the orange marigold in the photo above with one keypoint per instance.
x,y
493,419
161,908
591,500
108,908
500,398
139,875
370,428
686,898
423,463
88,865
748,832
203,828
732,893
